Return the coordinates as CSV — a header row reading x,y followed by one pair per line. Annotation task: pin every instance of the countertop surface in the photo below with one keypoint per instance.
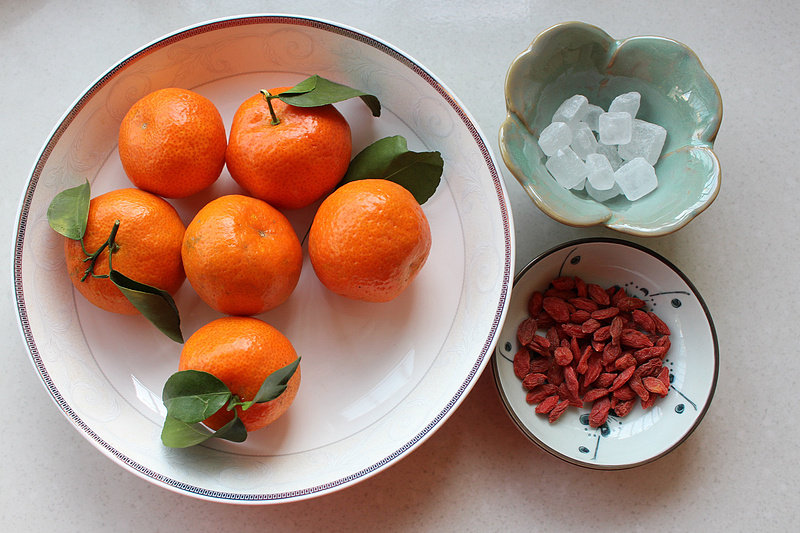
x,y
737,472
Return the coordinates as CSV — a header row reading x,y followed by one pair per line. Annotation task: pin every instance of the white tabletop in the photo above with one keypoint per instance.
x,y
737,471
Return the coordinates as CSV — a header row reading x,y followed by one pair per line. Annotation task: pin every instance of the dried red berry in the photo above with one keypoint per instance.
x,y
546,405
623,408
635,339
522,362
655,385
562,356
532,380
605,314
563,283
540,393
571,381
661,327
558,410
622,378
535,304
526,330
597,294
599,412
643,320
556,308
629,303
593,394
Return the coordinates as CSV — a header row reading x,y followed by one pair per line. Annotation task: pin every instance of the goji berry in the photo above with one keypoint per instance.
x,y
580,288
540,393
605,314
522,363
535,304
643,320
661,327
623,408
533,379
571,381
563,283
622,378
558,410
562,356
634,339
655,385
599,412
526,330
546,405
579,316
597,294
629,303
593,394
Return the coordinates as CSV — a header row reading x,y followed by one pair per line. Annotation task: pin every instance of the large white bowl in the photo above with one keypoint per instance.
x,y
378,379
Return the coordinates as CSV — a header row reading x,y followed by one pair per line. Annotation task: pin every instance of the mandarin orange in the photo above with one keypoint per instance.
x,y
291,164
147,247
369,240
172,143
242,352
241,255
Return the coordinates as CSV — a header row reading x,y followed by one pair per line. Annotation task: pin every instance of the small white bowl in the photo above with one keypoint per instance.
x,y
693,360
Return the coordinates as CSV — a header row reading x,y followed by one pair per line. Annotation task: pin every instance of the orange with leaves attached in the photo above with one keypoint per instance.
x,y
242,352
147,247
369,240
293,163
172,143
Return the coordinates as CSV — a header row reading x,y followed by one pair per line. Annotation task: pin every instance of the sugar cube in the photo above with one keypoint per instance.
x,y
636,178
572,109
591,116
555,137
610,151
602,195
567,168
647,141
615,128
599,172
583,140
626,103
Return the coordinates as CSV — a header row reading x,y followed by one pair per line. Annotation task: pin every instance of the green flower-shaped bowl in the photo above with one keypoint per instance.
x,y
677,93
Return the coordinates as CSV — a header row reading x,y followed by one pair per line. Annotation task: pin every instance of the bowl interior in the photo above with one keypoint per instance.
x,y
377,379
643,435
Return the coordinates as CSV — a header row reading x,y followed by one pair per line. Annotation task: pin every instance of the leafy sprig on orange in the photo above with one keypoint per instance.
x,y
68,214
192,396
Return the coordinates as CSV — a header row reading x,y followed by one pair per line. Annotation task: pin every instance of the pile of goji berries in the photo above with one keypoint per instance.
x,y
600,347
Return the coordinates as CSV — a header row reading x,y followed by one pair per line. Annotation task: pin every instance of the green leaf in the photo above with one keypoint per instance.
x,y
69,211
389,158
273,385
233,431
192,395
419,172
179,434
156,305
318,91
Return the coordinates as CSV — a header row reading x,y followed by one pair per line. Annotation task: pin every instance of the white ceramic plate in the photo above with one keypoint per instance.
x,y
378,379
693,360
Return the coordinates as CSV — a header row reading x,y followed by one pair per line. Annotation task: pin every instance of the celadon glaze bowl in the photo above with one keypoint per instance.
x,y
676,93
